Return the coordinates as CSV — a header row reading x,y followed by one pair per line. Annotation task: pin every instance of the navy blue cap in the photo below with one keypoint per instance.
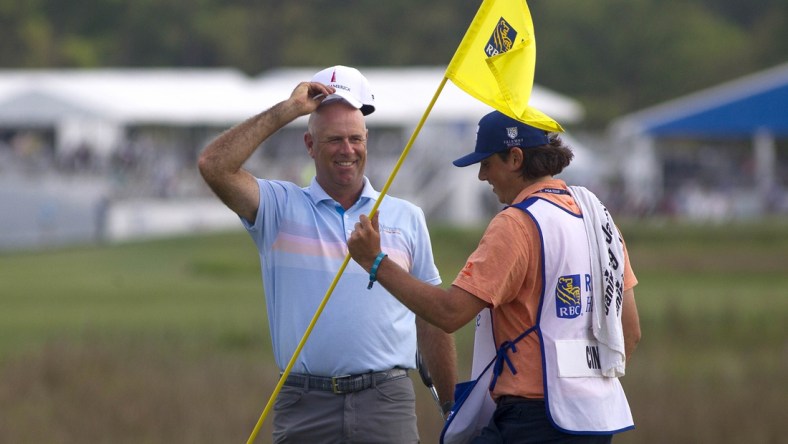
x,y
498,132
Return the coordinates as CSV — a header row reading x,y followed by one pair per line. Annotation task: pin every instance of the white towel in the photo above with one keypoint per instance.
x,y
607,266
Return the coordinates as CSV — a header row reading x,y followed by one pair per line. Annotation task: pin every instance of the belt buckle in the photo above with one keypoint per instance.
x,y
334,384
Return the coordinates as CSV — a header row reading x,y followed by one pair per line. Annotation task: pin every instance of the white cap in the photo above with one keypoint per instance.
x,y
351,86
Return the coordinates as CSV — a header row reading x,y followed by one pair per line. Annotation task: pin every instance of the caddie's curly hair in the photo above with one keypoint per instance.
x,y
545,160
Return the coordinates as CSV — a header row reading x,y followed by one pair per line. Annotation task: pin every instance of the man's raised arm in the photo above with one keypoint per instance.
x,y
222,160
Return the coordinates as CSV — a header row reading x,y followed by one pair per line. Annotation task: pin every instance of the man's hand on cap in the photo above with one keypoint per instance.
x,y
309,95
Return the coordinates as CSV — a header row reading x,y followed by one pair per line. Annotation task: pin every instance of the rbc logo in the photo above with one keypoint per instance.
x,y
567,297
501,39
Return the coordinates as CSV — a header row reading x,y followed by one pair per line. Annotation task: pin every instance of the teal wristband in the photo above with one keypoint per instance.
x,y
373,272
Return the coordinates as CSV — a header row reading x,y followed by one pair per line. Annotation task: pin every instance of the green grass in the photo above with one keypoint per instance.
x,y
166,340
180,287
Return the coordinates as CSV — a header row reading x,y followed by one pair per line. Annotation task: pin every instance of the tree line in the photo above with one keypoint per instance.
x,y
615,56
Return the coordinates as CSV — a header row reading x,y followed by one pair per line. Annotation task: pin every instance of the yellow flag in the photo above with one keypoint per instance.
x,y
496,59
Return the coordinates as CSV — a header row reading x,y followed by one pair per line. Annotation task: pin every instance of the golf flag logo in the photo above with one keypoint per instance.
x,y
502,39
495,61
567,297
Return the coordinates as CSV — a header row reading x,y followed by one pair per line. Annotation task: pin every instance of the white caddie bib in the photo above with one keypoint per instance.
x,y
579,398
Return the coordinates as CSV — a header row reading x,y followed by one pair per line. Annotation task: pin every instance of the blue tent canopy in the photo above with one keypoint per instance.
x,y
737,109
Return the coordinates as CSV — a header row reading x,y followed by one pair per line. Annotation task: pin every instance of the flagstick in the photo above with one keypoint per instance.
x,y
333,285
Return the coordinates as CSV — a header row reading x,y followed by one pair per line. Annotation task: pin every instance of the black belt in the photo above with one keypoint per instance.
x,y
343,384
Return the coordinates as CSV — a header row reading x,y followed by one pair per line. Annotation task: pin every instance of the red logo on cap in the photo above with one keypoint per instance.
x,y
334,76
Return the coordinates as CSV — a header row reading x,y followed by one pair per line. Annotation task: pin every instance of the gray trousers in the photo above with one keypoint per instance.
x,y
385,413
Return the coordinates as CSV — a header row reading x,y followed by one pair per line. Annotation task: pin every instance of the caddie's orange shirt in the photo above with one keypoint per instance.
x,y
505,271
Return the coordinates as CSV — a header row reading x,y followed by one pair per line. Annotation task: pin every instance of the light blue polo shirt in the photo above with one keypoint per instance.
x,y
301,235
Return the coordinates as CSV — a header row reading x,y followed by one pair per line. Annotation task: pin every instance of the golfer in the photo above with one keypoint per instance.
x,y
350,382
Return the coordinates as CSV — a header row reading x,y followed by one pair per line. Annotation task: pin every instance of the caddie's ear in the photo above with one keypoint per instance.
x,y
516,157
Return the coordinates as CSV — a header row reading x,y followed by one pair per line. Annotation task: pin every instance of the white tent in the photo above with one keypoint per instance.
x,y
197,96
128,96
207,96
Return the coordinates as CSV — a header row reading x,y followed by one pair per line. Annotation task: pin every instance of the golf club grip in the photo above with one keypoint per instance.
x,y
423,371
